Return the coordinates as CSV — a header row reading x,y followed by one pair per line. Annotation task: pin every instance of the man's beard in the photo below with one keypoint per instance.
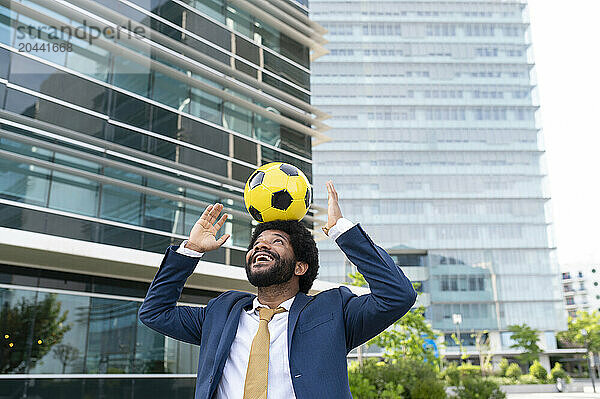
x,y
280,272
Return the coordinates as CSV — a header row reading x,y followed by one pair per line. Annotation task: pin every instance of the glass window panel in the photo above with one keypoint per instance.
x,y
238,119
39,37
126,137
2,93
73,194
202,161
246,50
296,142
111,336
294,51
159,213
90,60
130,110
208,29
266,130
26,183
121,205
169,91
131,76
240,172
7,34
286,70
212,8
20,103
206,106
205,136
244,150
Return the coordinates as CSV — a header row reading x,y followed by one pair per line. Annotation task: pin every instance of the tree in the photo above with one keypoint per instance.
x,y
30,329
526,338
65,354
408,337
590,323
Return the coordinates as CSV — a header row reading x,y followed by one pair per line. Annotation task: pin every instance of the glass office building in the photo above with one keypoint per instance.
x,y
438,152
120,120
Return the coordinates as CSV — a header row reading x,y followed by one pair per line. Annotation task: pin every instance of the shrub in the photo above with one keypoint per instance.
x,y
360,386
513,371
528,379
502,380
479,388
538,371
558,372
503,366
428,389
453,374
401,379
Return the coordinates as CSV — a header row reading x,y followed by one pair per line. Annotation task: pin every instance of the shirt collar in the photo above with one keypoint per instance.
x,y
255,305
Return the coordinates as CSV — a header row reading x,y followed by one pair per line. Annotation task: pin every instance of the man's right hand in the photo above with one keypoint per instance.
x,y
203,234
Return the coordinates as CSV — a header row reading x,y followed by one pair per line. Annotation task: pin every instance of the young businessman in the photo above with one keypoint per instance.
x,y
283,343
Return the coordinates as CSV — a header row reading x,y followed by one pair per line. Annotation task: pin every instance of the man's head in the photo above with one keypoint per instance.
x,y
280,251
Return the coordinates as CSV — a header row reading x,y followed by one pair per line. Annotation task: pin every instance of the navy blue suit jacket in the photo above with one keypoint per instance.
x,y
322,329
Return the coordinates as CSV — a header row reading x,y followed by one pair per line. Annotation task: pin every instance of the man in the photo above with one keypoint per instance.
x,y
283,343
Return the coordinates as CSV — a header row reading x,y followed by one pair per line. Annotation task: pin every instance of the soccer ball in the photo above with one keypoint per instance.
x,y
277,191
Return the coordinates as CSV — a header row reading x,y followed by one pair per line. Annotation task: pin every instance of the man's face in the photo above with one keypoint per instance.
x,y
271,260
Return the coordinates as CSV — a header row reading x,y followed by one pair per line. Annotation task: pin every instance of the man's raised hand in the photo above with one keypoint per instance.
x,y
334,213
203,234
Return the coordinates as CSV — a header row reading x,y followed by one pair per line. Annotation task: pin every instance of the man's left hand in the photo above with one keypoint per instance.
x,y
334,213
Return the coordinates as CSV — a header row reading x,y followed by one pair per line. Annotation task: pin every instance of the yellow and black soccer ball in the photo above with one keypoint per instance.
x,y
277,191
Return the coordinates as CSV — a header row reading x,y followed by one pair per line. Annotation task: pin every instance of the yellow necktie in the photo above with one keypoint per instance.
x,y
258,364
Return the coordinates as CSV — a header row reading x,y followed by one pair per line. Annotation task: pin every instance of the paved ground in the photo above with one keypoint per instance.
x,y
564,395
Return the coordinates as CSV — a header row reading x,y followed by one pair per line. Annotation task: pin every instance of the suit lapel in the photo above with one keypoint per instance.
x,y
299,303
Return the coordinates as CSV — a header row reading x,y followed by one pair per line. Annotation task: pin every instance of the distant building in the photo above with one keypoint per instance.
x,y
437,149
581,287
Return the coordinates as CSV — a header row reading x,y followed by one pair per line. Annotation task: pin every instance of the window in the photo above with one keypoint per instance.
x,y
566,275
570,301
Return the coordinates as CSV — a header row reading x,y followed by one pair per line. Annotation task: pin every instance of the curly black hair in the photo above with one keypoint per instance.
x,y
304,246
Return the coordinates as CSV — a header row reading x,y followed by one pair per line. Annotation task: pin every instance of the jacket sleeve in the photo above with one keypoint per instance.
x,y
160,312
392,294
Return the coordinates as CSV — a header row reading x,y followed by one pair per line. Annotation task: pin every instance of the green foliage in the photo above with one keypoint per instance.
x,y
503,366
528,379
538,371
33,327
399,379
503,380
453,374
526,338
590,322
406,337
360,386
513,371
558,372
479,388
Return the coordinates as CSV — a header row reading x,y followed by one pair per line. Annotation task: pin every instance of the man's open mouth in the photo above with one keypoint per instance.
x,y
262,258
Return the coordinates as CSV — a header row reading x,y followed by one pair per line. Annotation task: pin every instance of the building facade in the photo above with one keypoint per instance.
x,y
581,287
437,151
120,121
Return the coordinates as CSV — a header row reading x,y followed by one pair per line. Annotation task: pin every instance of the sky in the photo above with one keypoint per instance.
x,y
565,34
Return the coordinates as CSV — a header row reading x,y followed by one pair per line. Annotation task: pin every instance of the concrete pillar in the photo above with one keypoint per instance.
x,y
545,361
496,359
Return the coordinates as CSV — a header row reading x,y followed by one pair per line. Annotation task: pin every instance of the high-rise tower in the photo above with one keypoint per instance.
x,y
437,151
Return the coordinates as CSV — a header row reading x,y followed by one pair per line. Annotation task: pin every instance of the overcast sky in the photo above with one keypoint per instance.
x,y
565,46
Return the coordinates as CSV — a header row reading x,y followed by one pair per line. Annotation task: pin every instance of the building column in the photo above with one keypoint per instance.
x,y
545,361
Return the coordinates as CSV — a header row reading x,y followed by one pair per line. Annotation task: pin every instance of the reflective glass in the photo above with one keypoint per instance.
x,y
237,118
24,183
83,334
73,194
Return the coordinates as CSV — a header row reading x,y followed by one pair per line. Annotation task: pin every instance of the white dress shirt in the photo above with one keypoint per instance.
x,y
279,383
